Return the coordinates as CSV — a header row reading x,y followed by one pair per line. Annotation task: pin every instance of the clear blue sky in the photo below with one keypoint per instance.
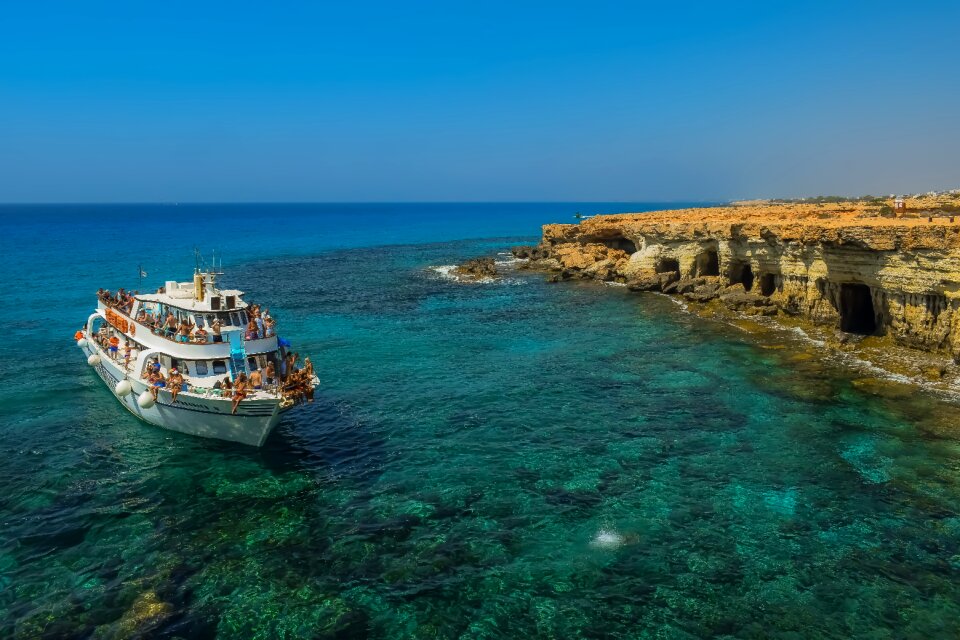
x,y
352,101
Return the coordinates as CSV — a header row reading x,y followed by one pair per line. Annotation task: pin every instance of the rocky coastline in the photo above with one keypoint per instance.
x,y
863,276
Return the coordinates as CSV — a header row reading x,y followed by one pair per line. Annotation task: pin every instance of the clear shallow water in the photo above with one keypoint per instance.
x,y
483,460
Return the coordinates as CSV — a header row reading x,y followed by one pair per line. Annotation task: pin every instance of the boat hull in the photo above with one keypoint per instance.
x,y
206,417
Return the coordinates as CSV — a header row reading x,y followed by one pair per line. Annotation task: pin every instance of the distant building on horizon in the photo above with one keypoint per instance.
x,y
899,205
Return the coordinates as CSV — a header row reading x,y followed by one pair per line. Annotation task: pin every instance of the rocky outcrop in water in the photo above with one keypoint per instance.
x,y
850,265
478,269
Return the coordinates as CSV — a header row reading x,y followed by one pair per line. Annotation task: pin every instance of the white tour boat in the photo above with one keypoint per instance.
x,y
124,344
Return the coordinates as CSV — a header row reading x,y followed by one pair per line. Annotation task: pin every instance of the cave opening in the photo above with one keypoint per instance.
x,y
621,243
707,263
768,284
667,265
741,273
857,314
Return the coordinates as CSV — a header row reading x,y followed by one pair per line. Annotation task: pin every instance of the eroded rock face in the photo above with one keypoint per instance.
x,y
838,264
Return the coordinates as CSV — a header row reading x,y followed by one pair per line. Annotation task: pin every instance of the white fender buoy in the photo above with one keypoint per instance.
x,y
145,400
123,388
82,342
93,360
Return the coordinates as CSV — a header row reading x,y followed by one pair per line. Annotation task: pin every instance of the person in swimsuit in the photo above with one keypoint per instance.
x,y
256,379
114,347
201,335
270,375
183,333
156,382
174,383
239,391
215,327
127,350
170,326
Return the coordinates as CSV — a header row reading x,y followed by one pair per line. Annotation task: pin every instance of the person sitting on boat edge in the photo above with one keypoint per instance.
x,y
175,383
239,391
155,381
200,335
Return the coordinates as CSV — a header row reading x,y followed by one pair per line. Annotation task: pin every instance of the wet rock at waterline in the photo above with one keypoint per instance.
x,y
478,268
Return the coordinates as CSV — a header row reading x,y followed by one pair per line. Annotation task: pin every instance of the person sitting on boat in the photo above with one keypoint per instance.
x,y
142,317
239,391
256,379
175,383
215,328
200,335
156,381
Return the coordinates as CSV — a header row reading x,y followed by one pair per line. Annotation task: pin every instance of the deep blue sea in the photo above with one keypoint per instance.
x,y
508,459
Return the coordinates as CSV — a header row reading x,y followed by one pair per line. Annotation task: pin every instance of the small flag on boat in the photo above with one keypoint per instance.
x,y
143,274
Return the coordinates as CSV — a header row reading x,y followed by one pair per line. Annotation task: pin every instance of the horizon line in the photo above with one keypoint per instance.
x,y
312,202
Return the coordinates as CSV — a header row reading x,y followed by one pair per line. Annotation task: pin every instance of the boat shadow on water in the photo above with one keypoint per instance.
x,y
327,439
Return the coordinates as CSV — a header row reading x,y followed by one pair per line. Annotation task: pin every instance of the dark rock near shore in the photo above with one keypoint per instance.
x,y
530,252
658,282
478,268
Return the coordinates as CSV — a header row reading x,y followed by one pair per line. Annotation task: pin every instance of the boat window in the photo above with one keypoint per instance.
x,y
198,320
252,363
243,317
219,367
201,367
236,320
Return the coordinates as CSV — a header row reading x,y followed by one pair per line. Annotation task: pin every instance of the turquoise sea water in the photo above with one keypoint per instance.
x,y
494,460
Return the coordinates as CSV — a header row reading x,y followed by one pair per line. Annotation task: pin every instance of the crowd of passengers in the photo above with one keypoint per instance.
x,y
261,325
109,341
123,300
295,383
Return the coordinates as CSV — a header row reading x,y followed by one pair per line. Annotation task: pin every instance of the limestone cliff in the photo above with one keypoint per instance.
x,y
857,266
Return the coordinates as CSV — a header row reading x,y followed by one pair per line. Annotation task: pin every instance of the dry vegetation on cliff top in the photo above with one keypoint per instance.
x,y
875,212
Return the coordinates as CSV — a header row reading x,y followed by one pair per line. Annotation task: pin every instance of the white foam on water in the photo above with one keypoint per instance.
x,y
449,272
615,284
607,539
